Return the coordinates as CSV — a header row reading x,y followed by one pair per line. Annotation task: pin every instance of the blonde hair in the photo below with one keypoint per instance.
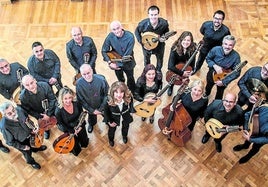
x,y
65,90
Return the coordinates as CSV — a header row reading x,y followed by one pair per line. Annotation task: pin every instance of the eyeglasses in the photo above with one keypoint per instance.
x,y
3,67
231,102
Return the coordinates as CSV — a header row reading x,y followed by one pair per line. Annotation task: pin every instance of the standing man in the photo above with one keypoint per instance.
x,y
213,33
17,134
79,48
220,59
158,26
92,90
33,95
121,42
249,96
44,65
225,111
9,77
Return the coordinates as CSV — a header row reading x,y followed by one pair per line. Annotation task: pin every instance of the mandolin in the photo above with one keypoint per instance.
x,y
150,40
37,138
65,142
215,128
184,67
118,59
86,58
146,109
228,72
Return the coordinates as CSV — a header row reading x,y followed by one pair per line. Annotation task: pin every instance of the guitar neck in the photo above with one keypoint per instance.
x,y
229,129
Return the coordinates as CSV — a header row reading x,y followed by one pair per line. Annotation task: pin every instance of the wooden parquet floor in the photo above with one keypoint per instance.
x,y
148,159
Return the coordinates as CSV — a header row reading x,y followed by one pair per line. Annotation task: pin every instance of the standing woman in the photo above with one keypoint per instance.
x,y
67,114
181,51
118,110
194,101
148,82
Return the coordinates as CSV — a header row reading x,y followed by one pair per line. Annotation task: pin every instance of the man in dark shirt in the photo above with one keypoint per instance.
x,y
9,77
44,65
248,95
225,111
33,97
220,59
213,33
92,90
79,48
17,134
258,139
158,26
122,42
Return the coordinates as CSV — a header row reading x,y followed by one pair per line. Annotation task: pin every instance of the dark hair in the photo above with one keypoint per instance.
x,y
154,7
176,46
219,12
147,68
35,44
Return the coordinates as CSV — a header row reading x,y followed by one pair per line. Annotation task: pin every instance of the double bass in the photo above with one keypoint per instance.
x,y
175,122
65,142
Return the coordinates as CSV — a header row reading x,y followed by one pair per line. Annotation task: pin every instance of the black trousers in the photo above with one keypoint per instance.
x,y
130,78
111,131
210,84
159,53
219,139
28,153
81,140
254,150
243,100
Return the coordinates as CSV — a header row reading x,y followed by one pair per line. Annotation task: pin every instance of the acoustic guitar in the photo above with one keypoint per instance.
x,y
16,93
118,59
184,67
86,58
37,138
150,40
228,72
253,122
65,142
146,109
215,128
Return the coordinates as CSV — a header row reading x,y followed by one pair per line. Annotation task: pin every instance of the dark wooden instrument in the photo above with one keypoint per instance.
x,y
253,122
47,124
184,67
86,58
150,40
65,142
174,123
16,93
228,72
146,109
36,139
118,59
215,128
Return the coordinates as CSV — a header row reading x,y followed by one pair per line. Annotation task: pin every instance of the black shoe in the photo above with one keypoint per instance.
x,y
47,134
90,128
111,143
35,165
143,119
205,138
240,147
4,149
244,159
42,148
170,90
125,140
218,147
151,120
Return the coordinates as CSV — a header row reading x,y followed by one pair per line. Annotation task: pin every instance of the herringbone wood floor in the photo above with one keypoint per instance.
x,y
148,159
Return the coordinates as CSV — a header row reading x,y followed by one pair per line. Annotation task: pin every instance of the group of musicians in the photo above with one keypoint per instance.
x,y
39,107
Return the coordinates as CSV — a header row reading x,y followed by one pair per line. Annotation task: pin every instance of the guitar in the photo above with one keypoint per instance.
x,y
37,138
86,58
184,67
253,122
146,109
16,93
215,128
150,40
51,122
65,142
228,72
118,59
